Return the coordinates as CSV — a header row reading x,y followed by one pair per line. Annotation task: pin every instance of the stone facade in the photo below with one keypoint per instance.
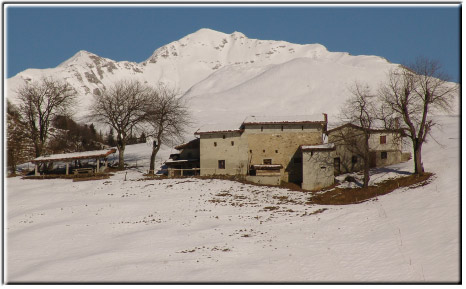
x,y
384,148
235,152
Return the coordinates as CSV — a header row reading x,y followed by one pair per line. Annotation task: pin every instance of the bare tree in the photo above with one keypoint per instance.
x,y
123,108
167,119
38,104
18,145
411,94
359,114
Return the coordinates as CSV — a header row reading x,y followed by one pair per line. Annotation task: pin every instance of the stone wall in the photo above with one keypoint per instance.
x,y
318,171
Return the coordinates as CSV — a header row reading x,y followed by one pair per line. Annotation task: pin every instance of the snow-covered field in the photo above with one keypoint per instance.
x,y
187,230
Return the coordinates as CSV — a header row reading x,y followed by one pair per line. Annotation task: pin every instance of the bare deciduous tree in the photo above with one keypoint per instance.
x,y
38,104
359,113
411,93
167,119
122,107
18,146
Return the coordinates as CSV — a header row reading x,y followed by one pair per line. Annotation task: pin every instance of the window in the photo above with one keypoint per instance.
x,y
383,155
221,164
215,143
267,161
383,139
354,159
263,151
276,151
250,151
232,143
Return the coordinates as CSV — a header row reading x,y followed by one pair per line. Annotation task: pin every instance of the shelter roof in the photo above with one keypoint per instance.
x,y
75,156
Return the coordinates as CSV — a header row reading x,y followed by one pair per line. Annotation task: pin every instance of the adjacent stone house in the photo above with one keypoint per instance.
x,y
384,147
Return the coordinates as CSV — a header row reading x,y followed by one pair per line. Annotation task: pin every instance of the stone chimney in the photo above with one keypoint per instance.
x,y
326,121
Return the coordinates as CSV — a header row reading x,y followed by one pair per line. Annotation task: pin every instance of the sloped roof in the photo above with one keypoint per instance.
x,y
218,127
75,156
191,144
376,128
285,119
239,127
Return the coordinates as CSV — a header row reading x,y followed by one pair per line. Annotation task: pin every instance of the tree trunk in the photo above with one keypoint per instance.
x,y
418,168
37,149
121,157
155,150
366,160
366,174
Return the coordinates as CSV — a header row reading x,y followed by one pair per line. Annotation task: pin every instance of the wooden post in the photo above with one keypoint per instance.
x,y
36,170
98,163
67,168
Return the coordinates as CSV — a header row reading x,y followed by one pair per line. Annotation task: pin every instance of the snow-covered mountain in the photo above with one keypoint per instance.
x,y
228,76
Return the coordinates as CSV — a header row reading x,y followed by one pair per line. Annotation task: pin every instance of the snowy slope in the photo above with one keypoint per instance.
x,y
219,71
212,230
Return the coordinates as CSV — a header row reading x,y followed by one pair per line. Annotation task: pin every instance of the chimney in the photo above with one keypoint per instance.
x,y
326,120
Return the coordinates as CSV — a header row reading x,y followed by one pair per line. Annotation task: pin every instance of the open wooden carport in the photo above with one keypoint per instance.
x,y
71,157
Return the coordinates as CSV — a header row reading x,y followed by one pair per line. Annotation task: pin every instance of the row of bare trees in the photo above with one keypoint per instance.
x,y
159,113
405,103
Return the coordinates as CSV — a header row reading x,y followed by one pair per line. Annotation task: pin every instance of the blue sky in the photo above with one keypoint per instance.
x,y
43,37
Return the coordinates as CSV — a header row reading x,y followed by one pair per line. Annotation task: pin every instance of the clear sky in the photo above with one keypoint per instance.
x,y
43,37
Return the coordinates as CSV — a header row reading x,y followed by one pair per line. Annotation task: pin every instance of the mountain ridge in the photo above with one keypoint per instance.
x,y
227,73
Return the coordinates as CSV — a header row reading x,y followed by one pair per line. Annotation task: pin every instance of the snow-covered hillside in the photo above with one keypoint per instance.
x,y
216,230
227,75
187,230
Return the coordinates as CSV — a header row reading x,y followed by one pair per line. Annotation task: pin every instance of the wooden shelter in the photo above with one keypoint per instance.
x,y
70,157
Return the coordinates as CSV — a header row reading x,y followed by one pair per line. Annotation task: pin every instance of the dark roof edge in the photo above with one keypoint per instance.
x,y
358,127
218,131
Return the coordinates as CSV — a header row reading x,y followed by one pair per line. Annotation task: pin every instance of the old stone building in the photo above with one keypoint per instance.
x,y
271,150
265,149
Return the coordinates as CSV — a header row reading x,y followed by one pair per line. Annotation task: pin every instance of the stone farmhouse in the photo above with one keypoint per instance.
x,y
269,150
385,147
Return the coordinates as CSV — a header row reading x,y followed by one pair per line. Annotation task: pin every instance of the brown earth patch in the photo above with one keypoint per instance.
x,y
341,196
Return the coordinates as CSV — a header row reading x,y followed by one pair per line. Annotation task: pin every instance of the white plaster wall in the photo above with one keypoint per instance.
x,y
317,169
235,155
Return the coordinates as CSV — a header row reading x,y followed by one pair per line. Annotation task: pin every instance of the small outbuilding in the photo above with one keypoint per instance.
x,y
318,166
